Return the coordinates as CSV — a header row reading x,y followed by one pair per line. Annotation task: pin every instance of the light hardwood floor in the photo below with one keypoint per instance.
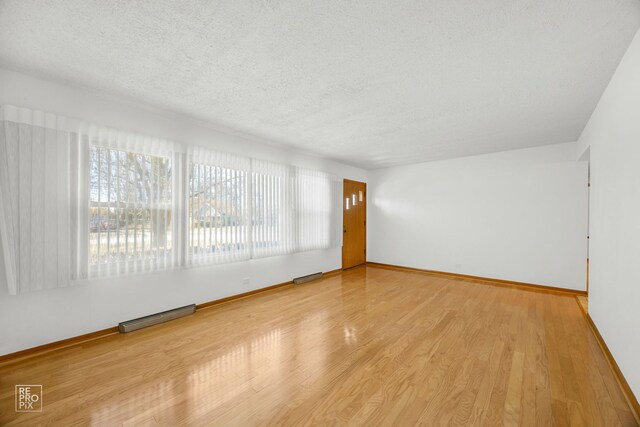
x,y
368,347
583,300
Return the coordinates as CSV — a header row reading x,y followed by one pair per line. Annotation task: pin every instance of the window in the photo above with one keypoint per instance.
x,y
217,214
236,209
110,203
313,209
130,211
272,209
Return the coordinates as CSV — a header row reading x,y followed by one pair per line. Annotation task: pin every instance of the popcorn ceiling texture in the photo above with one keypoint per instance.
x,y
370,83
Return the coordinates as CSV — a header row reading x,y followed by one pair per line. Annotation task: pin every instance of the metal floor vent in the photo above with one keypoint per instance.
x,y
154,319
305,279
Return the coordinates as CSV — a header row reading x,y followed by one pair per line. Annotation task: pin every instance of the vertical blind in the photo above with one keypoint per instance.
x,y
81,201
219,210
312,192
131,204
35,188
272,209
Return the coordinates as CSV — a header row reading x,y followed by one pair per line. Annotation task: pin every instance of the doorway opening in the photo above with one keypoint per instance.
x,y
583,300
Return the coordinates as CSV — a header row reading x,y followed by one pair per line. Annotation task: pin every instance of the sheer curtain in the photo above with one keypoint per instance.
x,y
37,158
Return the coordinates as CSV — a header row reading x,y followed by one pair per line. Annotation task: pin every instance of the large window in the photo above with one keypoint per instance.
x,y
130,211
242,208
109,203
236,209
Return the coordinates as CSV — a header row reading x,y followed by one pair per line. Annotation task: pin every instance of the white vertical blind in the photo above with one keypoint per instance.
x,y
241,208
35,215
131,203
272,208
81,201
219,214
313,209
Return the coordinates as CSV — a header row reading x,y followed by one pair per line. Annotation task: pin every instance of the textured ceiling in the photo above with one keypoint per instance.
x,y
371,83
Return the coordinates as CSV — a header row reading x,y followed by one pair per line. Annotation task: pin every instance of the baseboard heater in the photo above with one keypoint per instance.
x,y
308,278
154,319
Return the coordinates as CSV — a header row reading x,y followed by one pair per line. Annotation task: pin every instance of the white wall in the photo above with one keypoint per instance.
x,y
613,139
37,318
516,215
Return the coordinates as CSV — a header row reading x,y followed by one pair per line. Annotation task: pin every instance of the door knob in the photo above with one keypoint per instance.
x,y
344,228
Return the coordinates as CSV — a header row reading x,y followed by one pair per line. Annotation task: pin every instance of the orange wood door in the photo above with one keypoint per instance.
x,y
354,223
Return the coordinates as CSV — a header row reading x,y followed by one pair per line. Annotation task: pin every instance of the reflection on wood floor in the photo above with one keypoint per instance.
x,y
370,346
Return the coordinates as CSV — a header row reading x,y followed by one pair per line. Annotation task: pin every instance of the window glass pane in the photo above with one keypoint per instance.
x,y
130,211
217,212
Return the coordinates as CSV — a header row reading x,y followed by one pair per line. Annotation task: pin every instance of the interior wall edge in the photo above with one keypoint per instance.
x,y
612,134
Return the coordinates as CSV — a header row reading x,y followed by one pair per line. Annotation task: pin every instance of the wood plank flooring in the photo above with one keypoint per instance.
x,y
370,346
583,300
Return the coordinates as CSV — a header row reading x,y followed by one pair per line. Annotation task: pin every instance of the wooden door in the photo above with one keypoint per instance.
x,y
354,223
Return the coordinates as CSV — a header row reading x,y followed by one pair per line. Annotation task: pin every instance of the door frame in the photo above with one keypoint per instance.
x,y
588,219
342,203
